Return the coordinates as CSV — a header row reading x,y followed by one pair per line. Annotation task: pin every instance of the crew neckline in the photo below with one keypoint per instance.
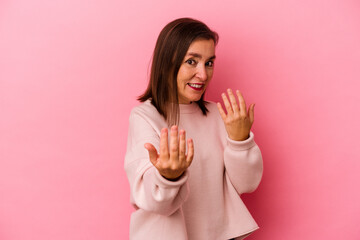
x,y
188,108
184,108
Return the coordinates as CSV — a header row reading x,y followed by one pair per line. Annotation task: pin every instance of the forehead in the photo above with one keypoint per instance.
x,y
204,47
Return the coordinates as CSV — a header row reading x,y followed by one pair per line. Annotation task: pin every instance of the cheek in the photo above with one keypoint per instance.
x,y
210,73
187,73
180,74
184,77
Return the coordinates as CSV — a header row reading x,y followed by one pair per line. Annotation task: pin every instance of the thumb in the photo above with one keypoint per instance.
x,y
153,155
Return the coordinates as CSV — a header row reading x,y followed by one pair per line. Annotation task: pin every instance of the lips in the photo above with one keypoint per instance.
x,y
196,86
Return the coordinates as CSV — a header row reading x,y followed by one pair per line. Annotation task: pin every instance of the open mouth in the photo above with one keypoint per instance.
x,y
196,86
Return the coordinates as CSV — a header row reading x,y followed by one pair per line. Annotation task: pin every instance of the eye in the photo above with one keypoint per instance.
x,y
210,64
190,61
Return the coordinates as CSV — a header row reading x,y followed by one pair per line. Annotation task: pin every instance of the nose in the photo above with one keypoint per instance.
x,y
201,72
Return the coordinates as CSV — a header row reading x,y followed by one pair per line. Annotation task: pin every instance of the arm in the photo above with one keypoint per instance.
x,y
150,190
243,164
242,157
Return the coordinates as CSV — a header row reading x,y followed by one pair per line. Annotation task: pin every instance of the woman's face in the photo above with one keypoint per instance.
x,y
196,70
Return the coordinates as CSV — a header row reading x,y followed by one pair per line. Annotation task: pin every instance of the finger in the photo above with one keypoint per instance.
x,y
221,111
190,154
182,145
242,103
174,143
164,151
153,155
227,104
233,102
251,113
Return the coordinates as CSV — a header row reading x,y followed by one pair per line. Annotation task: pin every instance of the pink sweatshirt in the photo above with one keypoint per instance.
x,y
204,203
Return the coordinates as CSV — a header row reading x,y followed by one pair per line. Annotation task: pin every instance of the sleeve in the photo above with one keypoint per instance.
x,y
243,164
149,190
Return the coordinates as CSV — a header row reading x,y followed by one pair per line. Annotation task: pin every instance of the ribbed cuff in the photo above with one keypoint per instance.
x,y
241,145
165,183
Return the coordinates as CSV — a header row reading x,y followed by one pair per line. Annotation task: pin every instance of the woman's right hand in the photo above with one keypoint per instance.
x,y
172,161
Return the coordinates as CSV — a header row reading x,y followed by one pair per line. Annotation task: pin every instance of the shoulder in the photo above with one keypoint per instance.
x,y
211,106
146,113
213,109
144,109
213,112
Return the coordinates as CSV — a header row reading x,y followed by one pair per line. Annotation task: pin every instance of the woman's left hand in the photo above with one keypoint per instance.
x,y
237,120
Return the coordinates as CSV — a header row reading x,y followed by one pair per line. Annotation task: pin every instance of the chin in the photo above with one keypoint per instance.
x,y
195,99
192,97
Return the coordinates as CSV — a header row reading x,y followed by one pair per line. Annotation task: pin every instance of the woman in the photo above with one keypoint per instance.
x,y
189,188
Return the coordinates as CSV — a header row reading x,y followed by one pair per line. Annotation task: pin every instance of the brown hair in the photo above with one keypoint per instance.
x,y
171,47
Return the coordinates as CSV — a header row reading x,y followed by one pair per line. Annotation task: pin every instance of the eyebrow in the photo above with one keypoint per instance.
x,y
199,55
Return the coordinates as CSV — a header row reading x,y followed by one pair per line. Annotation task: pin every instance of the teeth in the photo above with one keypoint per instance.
x,y
195,85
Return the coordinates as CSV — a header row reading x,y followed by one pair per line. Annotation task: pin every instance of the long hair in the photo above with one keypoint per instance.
x,y
170,49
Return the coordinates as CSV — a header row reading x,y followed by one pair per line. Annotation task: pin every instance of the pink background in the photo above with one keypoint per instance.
x,y
70,72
